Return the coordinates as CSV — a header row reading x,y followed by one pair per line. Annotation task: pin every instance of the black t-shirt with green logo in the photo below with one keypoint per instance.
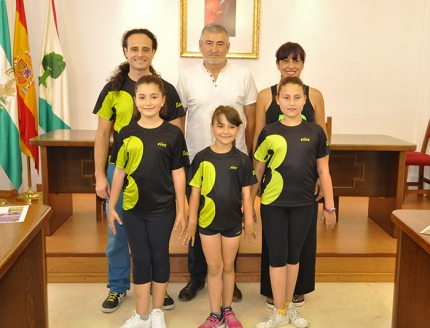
x,y
290,154
221,178
148,157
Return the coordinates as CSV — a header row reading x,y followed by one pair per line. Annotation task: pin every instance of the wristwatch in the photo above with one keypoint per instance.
x,y
330,210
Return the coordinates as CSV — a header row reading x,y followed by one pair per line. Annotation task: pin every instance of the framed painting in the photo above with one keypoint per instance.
x,y
241,18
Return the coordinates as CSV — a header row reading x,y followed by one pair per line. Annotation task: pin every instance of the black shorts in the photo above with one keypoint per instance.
x,y
232,232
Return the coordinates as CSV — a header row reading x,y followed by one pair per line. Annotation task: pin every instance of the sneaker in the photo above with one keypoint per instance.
x,y
157,318
169,303
273,320
270,303
136,322
295,317
212,322
231,320
112,302
298,300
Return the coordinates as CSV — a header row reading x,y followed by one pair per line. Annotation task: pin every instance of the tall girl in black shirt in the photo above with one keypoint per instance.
x,y
149,155
288,153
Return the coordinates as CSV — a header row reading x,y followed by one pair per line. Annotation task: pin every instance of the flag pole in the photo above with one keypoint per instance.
x,y
29,195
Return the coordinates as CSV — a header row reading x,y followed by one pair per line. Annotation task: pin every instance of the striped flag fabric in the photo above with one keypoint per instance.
x,y
54,110
10,152
26,90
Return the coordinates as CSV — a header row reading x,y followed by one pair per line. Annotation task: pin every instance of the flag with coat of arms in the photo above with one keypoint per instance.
x,y
54,111
26,90
10,152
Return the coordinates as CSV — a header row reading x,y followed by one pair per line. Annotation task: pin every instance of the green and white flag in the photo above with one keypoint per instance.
x,y
54,110
10,152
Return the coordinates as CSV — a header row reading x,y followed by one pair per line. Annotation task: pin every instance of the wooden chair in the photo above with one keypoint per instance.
x,y
421,159
100,208
335,198
328,127
100,202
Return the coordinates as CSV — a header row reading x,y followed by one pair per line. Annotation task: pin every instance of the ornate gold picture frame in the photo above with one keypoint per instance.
x,y
240,17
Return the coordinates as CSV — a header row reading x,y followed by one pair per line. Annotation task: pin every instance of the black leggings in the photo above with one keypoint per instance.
x,y
149,238
285,229
306,278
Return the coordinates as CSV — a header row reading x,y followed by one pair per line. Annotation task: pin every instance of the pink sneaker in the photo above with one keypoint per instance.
x,y
231,320
212,322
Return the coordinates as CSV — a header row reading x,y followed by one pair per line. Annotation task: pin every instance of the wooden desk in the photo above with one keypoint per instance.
x,y
372,166
360,165
67,158
412,282
23,270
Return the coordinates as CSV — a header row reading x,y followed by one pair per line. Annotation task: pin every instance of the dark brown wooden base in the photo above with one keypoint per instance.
x,y
62,207
23,278
412,285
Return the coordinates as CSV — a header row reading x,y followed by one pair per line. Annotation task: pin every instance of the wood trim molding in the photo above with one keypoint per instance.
x,y
8,193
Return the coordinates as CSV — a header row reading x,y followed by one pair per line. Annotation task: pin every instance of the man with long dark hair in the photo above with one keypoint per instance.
x,y
114,109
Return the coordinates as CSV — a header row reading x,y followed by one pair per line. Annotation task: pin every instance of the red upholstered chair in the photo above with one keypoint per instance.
x,y
421,159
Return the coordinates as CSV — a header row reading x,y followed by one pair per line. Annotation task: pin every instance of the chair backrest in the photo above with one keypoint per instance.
x,y
328,127
426,139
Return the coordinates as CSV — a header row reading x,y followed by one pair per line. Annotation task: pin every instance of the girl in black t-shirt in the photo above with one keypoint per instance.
x,y
220,178
149,155
288,153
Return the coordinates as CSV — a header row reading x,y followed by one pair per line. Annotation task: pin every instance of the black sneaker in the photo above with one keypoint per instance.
x,y
111,303
299,300
168,302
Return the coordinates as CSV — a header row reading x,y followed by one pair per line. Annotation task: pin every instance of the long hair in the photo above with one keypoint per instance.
x,y
120,74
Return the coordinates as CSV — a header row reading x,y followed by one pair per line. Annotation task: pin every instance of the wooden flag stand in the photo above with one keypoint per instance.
x,y
29,195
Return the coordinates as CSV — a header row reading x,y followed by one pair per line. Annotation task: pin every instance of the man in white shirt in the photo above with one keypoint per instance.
x,y
202,88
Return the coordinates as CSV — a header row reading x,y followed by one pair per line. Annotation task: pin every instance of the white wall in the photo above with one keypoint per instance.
x,y
370,58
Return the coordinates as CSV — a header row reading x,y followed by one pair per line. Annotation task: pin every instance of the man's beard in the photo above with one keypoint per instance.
x,y
214,62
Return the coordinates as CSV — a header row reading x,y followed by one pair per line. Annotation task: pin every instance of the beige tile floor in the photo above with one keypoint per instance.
x,y
331,305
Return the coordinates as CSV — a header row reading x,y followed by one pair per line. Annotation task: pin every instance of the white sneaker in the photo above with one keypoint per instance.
x,y
296,318
157,317
136,322
273,320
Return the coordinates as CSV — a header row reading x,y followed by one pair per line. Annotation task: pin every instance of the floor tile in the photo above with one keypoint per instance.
x,y
331,305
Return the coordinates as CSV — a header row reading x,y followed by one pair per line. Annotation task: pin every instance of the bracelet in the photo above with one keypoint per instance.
x,y
330,210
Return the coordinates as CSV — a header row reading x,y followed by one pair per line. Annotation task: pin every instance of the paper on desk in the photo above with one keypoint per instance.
x,y
14,213
426,231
